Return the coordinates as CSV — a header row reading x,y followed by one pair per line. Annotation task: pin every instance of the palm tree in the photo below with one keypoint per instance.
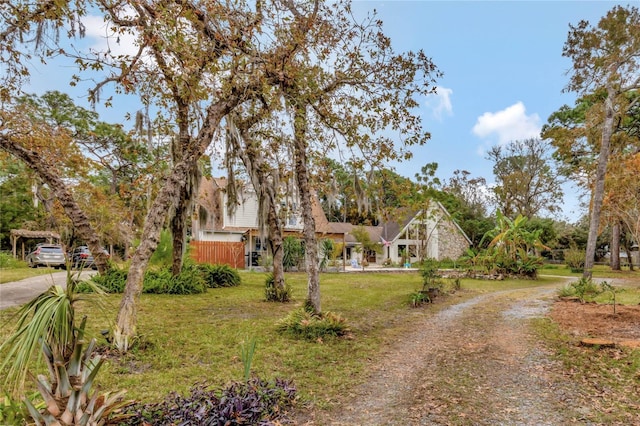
x,y
48,324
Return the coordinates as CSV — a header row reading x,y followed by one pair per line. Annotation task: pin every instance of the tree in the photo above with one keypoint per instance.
x,y
196,61
526,182
604,57
17,201
44,149
469,203
264,178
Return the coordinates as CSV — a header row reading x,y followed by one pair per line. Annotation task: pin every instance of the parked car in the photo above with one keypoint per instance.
x,y
47,255
81,257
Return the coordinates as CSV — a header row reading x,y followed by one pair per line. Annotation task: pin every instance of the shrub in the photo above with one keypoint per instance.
x,y
216,276
574,259
255,402
429,273
189,281
8,261
309,325
111,281
418,298
273,294
293,253
582,289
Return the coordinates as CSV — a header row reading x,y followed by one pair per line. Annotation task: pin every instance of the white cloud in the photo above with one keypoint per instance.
x,y
509,124
440,103
105,40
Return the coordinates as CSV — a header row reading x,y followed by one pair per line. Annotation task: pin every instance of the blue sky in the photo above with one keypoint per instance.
x,y
503,73
502,63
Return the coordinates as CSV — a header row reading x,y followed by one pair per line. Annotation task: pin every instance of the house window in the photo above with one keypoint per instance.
x,y
413,250
402,250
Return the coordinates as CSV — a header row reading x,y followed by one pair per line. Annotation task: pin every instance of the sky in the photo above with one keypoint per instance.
x,y
504,74
503,68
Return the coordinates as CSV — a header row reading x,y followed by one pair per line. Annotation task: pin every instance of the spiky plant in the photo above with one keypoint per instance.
x,y
48,324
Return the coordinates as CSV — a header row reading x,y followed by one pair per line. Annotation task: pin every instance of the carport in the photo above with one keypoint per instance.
x,y
20,236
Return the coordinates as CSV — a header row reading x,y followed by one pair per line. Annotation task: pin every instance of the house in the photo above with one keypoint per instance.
x,y
428,233
221,237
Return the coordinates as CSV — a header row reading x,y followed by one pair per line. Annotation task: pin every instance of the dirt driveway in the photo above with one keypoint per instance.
x,y
474,363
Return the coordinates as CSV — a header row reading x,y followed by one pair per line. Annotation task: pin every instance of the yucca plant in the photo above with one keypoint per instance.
x,y
48,324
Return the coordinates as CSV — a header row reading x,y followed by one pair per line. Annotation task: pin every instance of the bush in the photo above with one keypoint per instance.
x,y
429,273
111,281
418,298
273,294
8,261
293,253
309,325
574,259
216,276
255,402
189,281
583,289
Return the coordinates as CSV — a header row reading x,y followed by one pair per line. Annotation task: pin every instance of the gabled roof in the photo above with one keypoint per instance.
x,y
392,230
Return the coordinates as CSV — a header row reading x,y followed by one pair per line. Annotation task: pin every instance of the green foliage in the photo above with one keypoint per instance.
x,y
189,281
312,326
418,298
247,352
164,252
220,275
574,259
16,202
113,280
14,412
47,324
606,287
50,319
326,252
293,253
362,236
8,261
429,273
273,294
584,289
511,250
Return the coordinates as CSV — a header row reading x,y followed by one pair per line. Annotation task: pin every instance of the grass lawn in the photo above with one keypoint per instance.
x,y
16,274
190,339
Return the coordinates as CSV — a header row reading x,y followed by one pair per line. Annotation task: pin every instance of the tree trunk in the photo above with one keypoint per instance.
x,y
598,191
50,175
180,218
169,196
249,153
302,176
615,247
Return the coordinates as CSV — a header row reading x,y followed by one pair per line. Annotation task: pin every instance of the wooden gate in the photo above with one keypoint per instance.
x,y
219,252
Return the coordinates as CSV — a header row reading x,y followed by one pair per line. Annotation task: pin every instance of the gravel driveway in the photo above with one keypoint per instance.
x,y
474,363
19,292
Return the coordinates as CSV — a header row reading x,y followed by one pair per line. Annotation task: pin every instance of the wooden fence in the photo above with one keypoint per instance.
x,y
219,252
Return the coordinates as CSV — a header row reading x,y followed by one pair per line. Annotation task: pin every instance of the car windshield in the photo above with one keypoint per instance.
x,y
50,250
